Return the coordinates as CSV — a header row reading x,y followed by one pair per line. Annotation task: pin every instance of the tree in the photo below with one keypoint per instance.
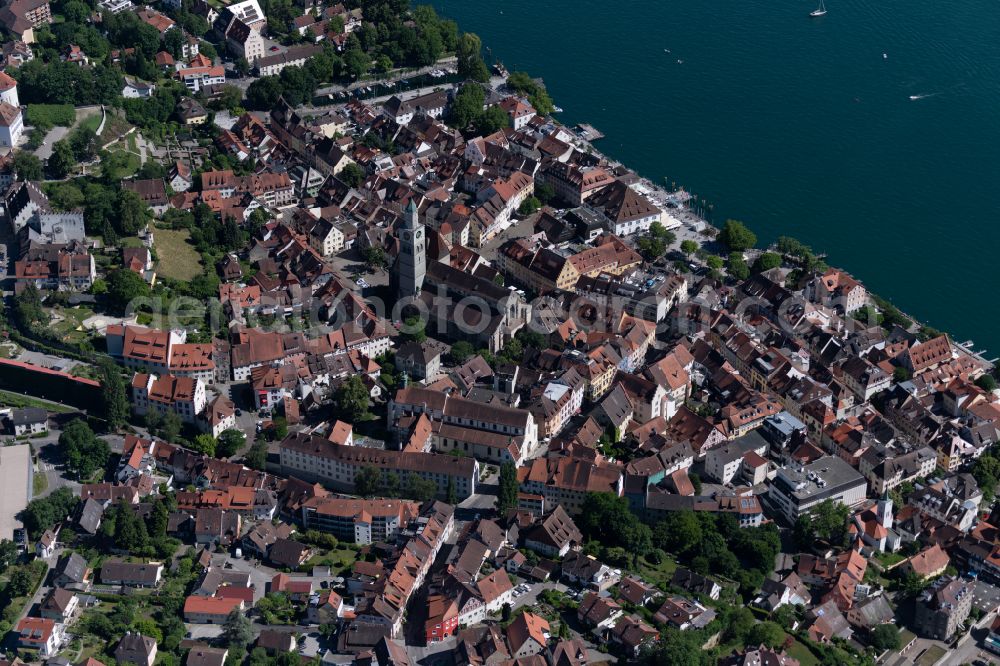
x,y
714,262
27,166
461,352
414,330
85,452
8,554
256,457
418,488
828,521
450,495
124,286
352,399
116,405
689,247
351,175
61,162
679,532
28,311
237,629
737,266
677,647
987,383
470,59
986,471
204,443
885,637
766,633
374,257
491,119
529,206
43,513
766,262
900,374
507,493
264,92
607,519
230,441
170,426
19,584
736,236
651,248
133,213
467,106
367,481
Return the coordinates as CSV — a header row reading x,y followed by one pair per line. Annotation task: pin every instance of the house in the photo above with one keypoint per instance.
x,y
587,571
554,535
136,89
636,591
360,521
597,612
288,553
56,266
420,361
942,608
134,648
276,642
694,583
179,176
131,574
40,634
200,655
190,112
151,191
11,124
46,545
28,421
21,17
209,610
72,572
683,613
59,605
184,396
527,635
632,634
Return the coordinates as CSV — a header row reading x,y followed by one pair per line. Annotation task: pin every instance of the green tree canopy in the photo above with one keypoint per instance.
x,y
507,493
736,236
85,452
124,286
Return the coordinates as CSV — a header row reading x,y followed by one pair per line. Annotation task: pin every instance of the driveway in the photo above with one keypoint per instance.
x,y
44,151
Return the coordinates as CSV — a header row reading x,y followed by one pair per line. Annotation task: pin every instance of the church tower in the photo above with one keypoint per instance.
x,y
411,264
884,511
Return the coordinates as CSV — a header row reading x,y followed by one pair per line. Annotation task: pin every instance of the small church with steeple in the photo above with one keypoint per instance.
x,y
411,263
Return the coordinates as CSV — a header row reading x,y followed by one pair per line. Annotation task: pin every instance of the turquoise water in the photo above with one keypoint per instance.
x,y
798,126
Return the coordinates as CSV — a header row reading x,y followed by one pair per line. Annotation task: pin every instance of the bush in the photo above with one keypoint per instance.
x,y
47,116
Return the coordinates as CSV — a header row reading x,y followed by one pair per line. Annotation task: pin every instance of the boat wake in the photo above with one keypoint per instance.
x,y
914,98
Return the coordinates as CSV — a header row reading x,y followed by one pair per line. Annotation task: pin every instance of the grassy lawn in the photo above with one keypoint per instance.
x,y
338,559
658,574
805,656
40,483
18,401
9,350
177,258
70,326
91,122
931,656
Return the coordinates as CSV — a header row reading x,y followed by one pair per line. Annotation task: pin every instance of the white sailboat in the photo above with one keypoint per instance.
x,y
819,11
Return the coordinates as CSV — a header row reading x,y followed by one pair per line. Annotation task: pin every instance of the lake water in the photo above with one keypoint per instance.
x,y
797,125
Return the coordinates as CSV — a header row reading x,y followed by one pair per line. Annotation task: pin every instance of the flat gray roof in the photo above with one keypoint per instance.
x,y
15,486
